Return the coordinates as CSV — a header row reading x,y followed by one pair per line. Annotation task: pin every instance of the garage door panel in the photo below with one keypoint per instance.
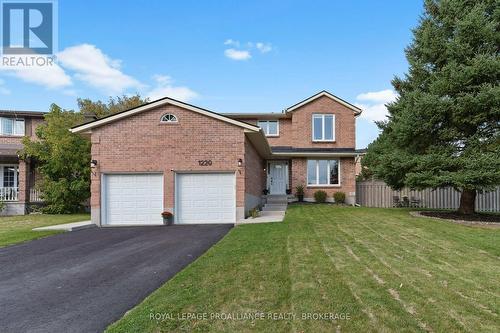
x,y
133,199
206,198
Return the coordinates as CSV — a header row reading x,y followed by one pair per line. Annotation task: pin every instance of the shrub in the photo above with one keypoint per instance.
x,y
2,206
299,190
320,196
254,212
339,197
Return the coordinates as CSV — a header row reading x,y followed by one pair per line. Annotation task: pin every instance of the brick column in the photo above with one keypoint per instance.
x,y
23,181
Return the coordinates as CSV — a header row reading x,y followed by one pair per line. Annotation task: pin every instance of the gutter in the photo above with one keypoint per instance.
x,y
307,154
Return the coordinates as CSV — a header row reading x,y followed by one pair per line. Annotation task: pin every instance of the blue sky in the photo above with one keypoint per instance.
x,y
227,56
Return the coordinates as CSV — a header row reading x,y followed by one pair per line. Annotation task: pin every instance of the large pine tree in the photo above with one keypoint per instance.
x,y
444,129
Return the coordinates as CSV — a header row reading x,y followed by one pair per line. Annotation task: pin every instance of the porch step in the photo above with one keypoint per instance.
x,y
274,207
272,213
277,199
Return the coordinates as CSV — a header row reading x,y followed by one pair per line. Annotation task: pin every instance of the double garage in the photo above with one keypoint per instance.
x,y
138,198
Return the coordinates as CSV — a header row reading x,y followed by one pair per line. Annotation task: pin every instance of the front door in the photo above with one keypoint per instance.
x,y
277,177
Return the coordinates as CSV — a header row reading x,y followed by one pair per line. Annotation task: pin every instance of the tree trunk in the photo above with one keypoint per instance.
x,y
467,200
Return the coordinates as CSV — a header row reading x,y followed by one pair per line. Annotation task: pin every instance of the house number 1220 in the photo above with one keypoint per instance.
x,y
205,162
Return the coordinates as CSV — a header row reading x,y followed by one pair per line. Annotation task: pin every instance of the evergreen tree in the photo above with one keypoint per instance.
x,y
444,129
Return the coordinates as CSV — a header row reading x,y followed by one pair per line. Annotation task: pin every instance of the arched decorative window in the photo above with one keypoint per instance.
x,y
168,118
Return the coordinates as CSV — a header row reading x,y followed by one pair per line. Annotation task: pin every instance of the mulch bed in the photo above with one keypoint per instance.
x,y
478,217
492,220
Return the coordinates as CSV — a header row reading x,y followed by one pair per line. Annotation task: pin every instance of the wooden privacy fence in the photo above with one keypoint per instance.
x,y
378,194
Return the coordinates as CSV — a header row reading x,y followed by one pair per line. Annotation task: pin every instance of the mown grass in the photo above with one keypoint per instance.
x,y
382,268
17,229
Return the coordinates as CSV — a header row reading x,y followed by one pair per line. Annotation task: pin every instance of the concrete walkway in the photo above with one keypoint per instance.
x,y
275,217
273,211
68,226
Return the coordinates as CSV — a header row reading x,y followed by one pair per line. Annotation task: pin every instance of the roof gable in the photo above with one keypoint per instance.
x,y
151,105
357,111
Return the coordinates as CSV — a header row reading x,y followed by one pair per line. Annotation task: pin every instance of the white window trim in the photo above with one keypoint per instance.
x,y
328,172
267,129
323,127
14,127
16,172
169,121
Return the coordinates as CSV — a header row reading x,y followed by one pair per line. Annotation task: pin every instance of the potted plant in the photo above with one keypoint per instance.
x,y
299,192
265,191
168,217
288,191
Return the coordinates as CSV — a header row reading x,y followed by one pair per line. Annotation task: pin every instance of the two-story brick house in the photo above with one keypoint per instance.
x,y
207,167
17,177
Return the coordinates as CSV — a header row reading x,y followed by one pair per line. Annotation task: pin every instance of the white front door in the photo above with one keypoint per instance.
x,y
277,177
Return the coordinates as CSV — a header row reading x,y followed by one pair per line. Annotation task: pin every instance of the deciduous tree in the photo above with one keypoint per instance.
x,y
101,109
64,157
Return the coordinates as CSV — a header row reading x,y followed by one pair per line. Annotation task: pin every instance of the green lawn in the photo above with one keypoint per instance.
x,y
385,270
17,229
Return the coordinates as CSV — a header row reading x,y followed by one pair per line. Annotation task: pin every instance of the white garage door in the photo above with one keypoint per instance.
x,y
133,199
206,198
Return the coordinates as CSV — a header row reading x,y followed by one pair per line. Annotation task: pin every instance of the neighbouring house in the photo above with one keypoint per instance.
x,y
206,167
18,177
358,168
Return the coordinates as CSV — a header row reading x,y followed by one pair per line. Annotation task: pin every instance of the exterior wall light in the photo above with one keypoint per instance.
x,y
240,162
93,164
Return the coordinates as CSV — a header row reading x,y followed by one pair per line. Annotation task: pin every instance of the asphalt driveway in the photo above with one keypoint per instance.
x,y
82,281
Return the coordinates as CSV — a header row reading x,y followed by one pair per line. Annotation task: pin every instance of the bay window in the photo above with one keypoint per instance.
x,y
323,127
11,126
323,172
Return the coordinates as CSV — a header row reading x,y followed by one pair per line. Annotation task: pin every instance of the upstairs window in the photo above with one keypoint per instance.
x,y
323,127
11,126
270,127
168,118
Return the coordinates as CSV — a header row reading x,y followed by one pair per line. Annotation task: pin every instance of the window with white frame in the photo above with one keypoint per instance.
x,y
270,127
11,126
169,118
10,175
323,127
323,172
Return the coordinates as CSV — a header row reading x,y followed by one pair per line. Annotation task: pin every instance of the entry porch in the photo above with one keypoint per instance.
x,y
278,177
17,185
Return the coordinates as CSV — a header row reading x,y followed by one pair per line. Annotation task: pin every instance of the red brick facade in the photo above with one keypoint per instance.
x,y
295,130
140,143
345,134
285,130
255,176
11,144
347,178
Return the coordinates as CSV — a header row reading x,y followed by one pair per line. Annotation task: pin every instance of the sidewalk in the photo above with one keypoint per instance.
x,y
68,226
